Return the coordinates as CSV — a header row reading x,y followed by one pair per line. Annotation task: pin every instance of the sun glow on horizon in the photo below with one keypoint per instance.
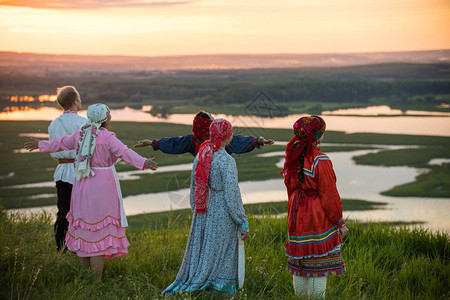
x,y
222,26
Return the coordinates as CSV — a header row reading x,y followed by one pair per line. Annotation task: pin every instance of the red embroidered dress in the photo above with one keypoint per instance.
x,y
314,216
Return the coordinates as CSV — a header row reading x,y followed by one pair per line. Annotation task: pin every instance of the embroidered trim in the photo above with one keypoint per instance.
x,y
337,248
93,223
321,274
312,239
70,112
79,238
312,172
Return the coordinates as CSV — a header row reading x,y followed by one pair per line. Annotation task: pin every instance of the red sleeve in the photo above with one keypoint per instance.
x,y
292,184
328,193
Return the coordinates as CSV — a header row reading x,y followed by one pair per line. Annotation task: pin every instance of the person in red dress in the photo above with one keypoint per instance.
x,y
315,223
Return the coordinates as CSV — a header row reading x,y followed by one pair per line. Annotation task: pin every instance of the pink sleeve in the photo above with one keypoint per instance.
x,y
328,193
122,151
68,142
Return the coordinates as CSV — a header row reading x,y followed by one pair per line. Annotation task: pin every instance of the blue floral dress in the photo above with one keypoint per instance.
x,y
211,256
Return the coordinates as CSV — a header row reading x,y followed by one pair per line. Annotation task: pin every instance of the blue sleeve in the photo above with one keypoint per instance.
x,y
242,144
233,196
175,145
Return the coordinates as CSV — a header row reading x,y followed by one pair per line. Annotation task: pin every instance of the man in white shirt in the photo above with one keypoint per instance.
x,y
66,124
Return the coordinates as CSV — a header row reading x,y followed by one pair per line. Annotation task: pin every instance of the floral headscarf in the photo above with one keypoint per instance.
x,y
219,130
307,131
96,115
200,128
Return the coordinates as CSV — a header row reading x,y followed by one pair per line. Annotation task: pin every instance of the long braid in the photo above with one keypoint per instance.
x,y
301,160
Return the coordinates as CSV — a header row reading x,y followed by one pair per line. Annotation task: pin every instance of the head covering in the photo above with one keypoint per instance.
x,y
96,115
200,128
307,131
219,130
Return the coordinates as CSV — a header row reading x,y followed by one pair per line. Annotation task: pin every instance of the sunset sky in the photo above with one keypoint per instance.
x,y
170,27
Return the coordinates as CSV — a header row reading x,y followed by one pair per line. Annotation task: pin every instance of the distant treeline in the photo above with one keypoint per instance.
x,y
391,82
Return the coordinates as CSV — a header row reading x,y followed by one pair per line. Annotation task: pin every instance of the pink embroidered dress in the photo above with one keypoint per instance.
x,y
96,217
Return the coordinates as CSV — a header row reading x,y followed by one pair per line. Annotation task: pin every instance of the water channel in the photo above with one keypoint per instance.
x,y
353,181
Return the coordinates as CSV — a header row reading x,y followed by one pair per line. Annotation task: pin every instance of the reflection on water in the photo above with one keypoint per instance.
x,y
40,196
439,125
10,174
354,182
41,98
439,161
383,110
35,135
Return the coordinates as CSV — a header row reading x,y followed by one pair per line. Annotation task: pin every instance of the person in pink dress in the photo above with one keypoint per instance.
x,y
96,218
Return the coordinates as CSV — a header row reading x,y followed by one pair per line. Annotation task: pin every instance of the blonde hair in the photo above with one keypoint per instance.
x,y
66,96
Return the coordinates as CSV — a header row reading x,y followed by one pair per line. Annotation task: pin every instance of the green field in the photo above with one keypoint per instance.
x,y
308,90
183,217
382,262
23,168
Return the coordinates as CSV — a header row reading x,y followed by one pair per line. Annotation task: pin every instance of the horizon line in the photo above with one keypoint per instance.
x,y
225,54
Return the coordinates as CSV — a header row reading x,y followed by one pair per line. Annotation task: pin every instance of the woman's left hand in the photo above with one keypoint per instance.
x,y
30,146
244,236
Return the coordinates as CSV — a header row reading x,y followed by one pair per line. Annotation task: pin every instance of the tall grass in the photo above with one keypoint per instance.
x,y
382,261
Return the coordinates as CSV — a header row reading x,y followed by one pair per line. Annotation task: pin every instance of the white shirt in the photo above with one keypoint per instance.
x,y
65,124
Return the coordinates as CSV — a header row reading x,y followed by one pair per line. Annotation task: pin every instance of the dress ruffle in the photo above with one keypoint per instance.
x,y
78,244
314,249
80,223
179,286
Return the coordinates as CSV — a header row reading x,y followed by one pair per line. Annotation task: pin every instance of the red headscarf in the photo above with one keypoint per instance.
x,y
307,131
219,130
200,128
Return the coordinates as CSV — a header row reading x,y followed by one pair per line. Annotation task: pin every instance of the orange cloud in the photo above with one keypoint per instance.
x,y
90,4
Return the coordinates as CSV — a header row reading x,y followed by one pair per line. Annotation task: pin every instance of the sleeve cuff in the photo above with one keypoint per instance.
x,y
340,224
40,147
155,145
244,227
254,142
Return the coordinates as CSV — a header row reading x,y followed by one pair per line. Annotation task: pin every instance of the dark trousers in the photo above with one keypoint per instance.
x,y
63,190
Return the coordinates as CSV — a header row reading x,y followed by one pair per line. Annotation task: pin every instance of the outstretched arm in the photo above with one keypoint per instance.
x,y
243,144
68,142
122,151
171,145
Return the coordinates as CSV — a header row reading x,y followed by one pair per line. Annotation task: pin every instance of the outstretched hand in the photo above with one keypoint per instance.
x,y
262,141
143,143
151,164
30,146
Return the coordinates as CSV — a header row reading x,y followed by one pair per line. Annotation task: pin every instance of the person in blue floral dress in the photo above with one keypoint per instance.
x,y
211,257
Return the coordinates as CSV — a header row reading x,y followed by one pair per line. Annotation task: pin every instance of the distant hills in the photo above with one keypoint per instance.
x,y
13,62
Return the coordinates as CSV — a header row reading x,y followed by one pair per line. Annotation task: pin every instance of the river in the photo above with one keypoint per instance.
x,y
354,182
377,119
